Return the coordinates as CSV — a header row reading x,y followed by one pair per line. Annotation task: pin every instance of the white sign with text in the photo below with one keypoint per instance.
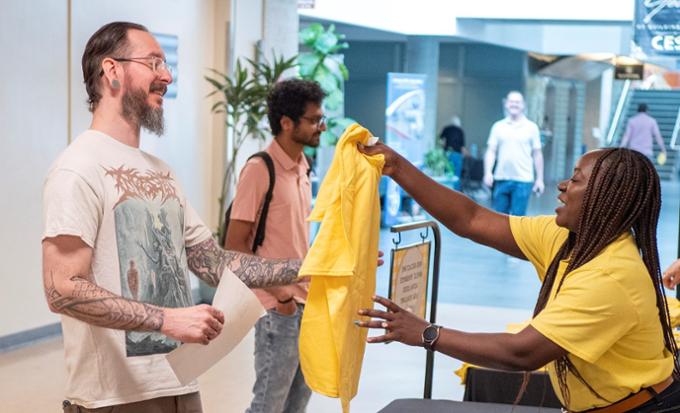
x,y
409,276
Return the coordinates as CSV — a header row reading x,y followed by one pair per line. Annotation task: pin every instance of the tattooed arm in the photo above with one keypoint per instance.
x,y
71,291
207,260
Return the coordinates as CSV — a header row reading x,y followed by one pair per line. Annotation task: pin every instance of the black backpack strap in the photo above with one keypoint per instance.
x,y
309,162
259,233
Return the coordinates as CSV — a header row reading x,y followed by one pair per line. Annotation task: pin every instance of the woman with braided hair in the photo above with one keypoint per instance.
x,y
601,322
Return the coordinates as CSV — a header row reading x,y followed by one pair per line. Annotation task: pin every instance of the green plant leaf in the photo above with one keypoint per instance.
x,y
334,101
325,42
310,151
437,162
328,139
328,82
309,35
215,83
220,104
307,62
339,46
344,71
332,63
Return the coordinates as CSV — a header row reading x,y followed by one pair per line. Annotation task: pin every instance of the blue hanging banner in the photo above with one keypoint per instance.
x,y
657,27
404,132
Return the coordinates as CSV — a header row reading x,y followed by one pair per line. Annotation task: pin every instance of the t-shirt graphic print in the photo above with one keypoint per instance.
x,y
129,208
149,236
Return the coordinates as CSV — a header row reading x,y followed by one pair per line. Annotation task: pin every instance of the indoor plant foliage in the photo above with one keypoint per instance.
x,y
323,63
437,162
242,97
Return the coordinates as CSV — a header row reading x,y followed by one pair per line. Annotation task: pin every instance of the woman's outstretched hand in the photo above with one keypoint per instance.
x,y
392,158
400,324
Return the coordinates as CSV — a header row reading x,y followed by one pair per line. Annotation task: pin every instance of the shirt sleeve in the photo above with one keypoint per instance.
x,y
492,142
589,314
535,138
71,207
250,191
658,137
539,238
195,230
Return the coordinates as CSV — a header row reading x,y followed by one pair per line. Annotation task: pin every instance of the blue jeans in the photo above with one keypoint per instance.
x,y
279,384
511,197
456,160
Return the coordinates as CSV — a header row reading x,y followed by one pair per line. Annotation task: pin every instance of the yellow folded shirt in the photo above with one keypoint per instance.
x,y
342,264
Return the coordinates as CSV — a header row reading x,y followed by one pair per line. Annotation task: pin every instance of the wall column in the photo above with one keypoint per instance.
x,y
422,56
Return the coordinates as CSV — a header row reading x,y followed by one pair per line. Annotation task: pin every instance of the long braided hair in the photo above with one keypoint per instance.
x,y
623,194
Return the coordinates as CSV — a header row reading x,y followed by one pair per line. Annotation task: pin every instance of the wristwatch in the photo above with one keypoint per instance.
x,y
430,336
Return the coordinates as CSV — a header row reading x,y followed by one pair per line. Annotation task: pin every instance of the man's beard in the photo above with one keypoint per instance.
x,y
311,140
138,111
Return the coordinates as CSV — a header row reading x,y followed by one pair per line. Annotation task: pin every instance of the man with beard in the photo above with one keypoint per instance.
x,y
296,120
102,198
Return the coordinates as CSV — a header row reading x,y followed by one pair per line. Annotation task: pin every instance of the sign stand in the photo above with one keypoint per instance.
x,y
398,229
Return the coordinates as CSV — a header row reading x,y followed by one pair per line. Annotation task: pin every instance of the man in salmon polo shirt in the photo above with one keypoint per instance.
x,y
297,120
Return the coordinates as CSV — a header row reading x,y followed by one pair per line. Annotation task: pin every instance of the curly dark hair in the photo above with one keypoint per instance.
x,y
110,40
289,98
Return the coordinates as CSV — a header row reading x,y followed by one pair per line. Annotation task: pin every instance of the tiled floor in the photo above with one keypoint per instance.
x,y
480,290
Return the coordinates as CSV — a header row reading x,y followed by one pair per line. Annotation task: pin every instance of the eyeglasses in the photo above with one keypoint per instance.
x,y
155,63
315,121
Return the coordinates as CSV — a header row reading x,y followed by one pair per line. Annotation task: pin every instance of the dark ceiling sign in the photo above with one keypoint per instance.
x,y
633,71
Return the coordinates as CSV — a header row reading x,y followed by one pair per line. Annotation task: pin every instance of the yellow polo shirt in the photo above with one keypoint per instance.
x,y
605,316
342,264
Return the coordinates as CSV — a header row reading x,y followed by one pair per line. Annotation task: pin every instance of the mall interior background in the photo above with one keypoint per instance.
x,y
472,55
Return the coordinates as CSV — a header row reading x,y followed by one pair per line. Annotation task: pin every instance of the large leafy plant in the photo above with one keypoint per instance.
x,y
323,63
242,97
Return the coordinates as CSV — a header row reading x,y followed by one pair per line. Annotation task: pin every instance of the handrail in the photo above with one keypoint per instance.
x,y
429,358
617,114
676,130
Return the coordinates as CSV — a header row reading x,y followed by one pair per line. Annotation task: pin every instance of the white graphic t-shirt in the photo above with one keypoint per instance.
x,y
128,206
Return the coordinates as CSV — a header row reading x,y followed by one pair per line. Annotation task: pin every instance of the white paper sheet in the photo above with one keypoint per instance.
x,y
241,311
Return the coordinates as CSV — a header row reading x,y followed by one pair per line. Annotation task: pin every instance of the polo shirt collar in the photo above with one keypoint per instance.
x,y
283,159
519,121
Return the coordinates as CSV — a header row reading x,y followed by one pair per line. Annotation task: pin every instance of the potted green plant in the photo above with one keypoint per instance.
x,y
242,97
437,163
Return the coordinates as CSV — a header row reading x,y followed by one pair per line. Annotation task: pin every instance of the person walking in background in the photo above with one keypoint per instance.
x,y
514,147
453,142
640,130
297,120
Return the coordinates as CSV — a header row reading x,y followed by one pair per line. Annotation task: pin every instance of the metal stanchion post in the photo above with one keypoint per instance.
x,y
429,359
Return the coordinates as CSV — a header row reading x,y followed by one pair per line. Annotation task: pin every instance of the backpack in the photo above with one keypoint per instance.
x,y
259,233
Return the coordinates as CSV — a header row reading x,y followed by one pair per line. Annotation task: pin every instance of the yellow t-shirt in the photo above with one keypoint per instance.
x,y
605,316
342,264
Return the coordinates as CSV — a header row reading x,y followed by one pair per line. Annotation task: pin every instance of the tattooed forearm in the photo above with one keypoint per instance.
x,y
92,304
207,260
